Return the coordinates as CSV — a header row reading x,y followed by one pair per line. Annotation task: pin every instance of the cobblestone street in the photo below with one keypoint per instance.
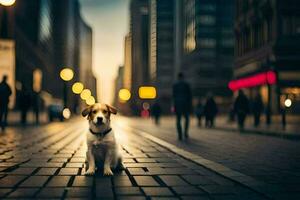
x,y
47,163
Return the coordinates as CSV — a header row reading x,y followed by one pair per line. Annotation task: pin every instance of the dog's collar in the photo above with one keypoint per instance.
x,y
102,133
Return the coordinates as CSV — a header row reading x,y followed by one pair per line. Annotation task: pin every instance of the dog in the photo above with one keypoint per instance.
x,y
103,150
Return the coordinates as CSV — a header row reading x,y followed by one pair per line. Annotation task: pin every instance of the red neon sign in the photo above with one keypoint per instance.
x,y
252,81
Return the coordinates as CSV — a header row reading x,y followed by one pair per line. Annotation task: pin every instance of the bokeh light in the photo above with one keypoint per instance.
x,y
66,113
7,2
124,95
288,103
90,101
77,88
147,92
85,94
66,74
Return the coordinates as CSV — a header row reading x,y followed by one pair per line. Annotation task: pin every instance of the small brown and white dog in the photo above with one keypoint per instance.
x,y
103,150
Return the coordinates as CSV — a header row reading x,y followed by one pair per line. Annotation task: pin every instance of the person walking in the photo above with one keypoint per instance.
x,y
24,103
5,92
199,112
258,107
241,108
36,104
210,111
156,112
182,99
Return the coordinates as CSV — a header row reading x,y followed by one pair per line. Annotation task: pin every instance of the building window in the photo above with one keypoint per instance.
x,y
190,26
290,25
207,43
207,20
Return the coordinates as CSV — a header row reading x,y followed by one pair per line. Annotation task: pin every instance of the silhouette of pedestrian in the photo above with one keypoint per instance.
x,y
36,104
5,93
182,98
241,108
156,112
24,103
210,111
257,109
199,112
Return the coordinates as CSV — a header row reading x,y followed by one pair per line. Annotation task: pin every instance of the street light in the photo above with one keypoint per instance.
x,y
77,88
7,2
85,94
147,92
90,101
124,95
66,75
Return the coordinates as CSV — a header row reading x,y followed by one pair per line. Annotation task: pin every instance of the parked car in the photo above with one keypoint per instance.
x,y
55,111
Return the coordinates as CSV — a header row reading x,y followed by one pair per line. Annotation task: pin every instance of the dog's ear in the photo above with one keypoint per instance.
x,y
112,109
86,111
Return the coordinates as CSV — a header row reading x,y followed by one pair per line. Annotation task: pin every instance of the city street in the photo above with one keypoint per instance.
x,y
47,162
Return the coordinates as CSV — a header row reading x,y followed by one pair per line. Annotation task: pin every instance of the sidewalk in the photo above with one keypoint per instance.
x,y
290,131
14,118
48,164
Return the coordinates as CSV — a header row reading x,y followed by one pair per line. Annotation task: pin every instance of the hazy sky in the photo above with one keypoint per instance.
x,y
109,21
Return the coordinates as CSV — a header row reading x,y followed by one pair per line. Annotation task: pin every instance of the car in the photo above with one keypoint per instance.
x,y
55,111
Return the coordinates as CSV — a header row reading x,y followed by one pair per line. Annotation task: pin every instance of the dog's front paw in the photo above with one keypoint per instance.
x,y
90,172
108,172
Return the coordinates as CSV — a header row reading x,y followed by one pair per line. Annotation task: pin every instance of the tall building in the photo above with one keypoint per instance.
x,y
48,38
208,46
137,51
162,50
86,75
267,51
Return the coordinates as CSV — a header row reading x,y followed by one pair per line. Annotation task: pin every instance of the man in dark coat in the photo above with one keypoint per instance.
x,y
258,107
241,108
5,92
156,112
182,98
24,103
210,111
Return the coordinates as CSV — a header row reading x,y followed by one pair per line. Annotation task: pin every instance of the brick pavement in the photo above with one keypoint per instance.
x,y
47,163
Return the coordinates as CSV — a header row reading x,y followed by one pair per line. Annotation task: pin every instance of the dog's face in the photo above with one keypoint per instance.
x,y
99,116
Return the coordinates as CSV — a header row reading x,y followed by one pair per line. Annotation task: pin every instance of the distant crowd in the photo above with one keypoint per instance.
x,y
208,109
25,100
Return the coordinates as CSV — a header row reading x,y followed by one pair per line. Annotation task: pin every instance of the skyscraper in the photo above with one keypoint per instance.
x,y
208,46
162,50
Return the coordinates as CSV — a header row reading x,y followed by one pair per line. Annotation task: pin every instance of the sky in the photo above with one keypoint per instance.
x,y
109,20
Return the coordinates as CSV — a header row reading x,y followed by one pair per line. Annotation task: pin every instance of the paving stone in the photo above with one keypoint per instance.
x,y
218,189
35,181
100,181
59,181
51,193
79,192
23,192
46,171
83,181
60,160
10,181
137,171
173,180
128,191
122,181
198,180
132,198
74,165
157,191
187,190
145,181
146,160
22,171
104,192
198,197
77,160
3,192
68,171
